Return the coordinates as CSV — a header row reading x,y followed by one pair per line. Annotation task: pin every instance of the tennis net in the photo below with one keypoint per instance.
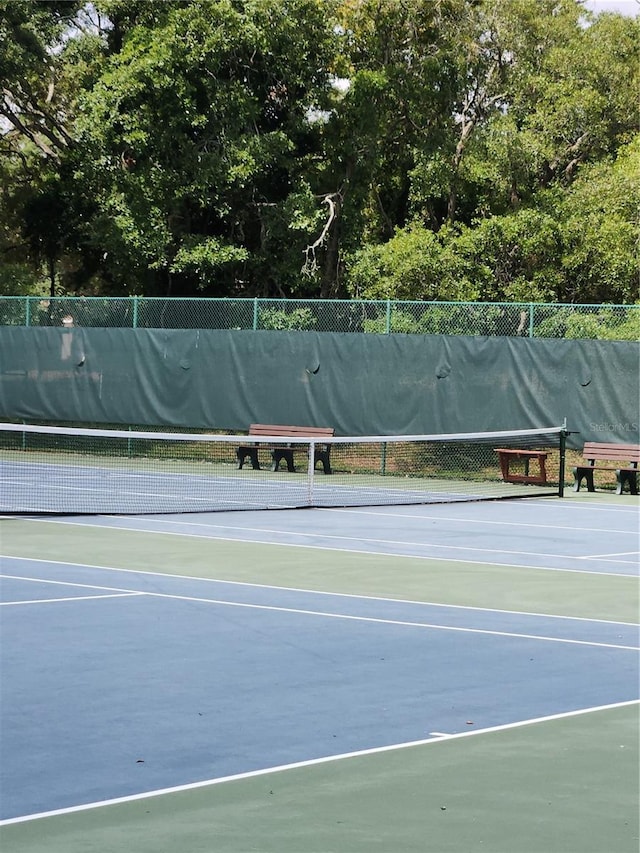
x,y
49,469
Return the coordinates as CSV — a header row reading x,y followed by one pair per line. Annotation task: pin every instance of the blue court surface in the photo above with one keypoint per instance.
x,y
127,672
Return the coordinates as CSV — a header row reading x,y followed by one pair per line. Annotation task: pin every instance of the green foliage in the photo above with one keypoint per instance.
x,y
515,257
300,319
602,324
400,322
18,279
412,265
195,130
599,217
512,257
429,318
203,258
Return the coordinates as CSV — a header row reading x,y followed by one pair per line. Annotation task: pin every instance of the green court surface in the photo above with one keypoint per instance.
x,y
591,596
566,783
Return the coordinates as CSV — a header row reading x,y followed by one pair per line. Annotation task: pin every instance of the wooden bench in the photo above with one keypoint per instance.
x,y
286,451
507,455
625,458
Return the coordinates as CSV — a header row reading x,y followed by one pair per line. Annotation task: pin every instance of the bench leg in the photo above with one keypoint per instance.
x,y
252,453
278,455
543,469
629,477
504,466
323,456
586,474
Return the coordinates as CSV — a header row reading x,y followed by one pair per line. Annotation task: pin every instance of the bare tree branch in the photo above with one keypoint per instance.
x,y
310,265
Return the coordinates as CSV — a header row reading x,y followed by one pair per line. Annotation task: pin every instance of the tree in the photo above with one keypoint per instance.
x,y
574,245
542,88
196,138
32,105
42,67
413,265
396,103
599,226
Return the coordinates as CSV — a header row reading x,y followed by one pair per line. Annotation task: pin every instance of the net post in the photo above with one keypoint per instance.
x,y
311,468
563,448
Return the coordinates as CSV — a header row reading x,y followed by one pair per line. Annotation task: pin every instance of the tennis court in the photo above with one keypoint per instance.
x,y
445,677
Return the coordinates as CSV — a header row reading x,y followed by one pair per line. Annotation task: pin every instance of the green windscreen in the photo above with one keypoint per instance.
x,y
357,384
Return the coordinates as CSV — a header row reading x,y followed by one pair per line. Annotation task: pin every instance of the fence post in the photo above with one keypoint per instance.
x,y
255,313
134,320
27,312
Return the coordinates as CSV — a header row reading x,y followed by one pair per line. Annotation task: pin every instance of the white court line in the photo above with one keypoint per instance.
x,y
242,528
313,762
71,598
313,591
124,592
619,554
357,551
73,489
349,617
463,520
586,504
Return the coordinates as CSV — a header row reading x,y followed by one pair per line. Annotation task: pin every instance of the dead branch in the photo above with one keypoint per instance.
x,y
310,264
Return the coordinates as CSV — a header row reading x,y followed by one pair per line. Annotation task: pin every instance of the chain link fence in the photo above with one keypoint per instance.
x,y
533,320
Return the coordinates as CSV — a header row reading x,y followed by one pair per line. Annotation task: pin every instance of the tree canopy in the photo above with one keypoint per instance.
x,y
451,149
